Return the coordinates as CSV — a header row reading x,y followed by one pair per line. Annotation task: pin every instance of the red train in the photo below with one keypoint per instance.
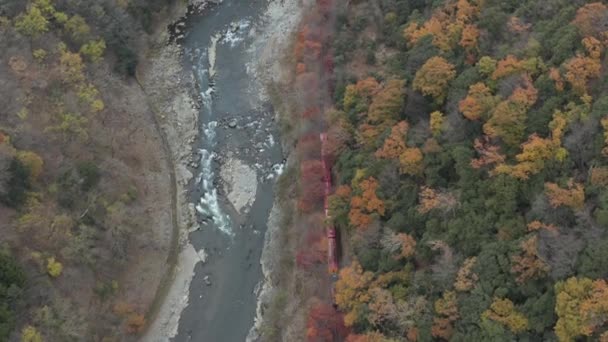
x,y
332,250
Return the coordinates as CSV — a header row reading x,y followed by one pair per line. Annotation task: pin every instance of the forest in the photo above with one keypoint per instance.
x,y
72,198
469,144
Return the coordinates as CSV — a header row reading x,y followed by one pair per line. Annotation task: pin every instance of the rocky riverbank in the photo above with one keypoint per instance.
x,y
273,70
171,92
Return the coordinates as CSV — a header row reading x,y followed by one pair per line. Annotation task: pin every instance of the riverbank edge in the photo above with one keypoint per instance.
x,y
161,77
277,77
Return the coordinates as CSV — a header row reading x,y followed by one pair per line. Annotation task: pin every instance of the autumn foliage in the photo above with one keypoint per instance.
x,y
364,205
433,77
323,322
573,196
527,264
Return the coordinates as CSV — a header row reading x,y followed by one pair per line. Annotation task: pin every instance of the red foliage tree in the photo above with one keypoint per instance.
x,y
311,175
323,322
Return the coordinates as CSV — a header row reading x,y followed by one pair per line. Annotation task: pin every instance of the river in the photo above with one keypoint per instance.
x,y
233,187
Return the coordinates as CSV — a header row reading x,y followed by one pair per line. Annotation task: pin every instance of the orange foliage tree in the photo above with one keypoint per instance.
x,y
579,70
537,225
573,196
430,199
410,161
358,96
557,78
383,112
478,102
591,19
352,291
433,77
470,34
361,207
488,154
527,264
394,144
466,278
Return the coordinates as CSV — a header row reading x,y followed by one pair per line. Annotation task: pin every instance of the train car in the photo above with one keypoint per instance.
x,y
332,250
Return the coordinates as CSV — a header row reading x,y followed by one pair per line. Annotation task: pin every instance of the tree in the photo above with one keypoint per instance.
x,y
32,162
446,309
433,77
486,65
435,199
535,153
573,196
311,175
322,321
94,50
407,245
367,203
352,291
30,334
581,305
470,34
591,19
71,67
32,23
383,112
555,75
411,161
436,122
357,97
466,279
394,144
478,102
78,28
507,66
135,323
503,311
373,336
527,264
53,267
488,154
579,70
508,119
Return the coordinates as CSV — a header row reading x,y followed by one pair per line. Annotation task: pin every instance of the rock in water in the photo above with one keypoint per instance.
x,y
240,183
232,124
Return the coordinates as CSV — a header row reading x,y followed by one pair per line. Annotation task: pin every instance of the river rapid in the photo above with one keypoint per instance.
x,y
239,161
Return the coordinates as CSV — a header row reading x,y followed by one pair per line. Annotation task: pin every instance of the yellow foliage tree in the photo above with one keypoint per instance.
x,y
503,311
433,77
32,23
447,312
33,162
53,267
30,334
436,122
582,306
71,67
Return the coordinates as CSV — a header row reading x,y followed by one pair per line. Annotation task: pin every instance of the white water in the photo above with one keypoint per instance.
x,y
209,205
